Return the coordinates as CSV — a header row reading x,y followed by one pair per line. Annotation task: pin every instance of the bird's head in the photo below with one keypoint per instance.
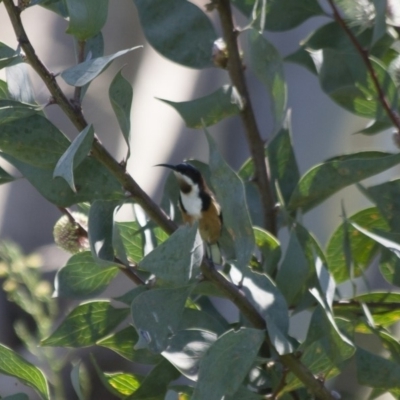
x,y
187,175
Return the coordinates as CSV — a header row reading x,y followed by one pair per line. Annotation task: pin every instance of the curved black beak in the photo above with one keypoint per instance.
x,y
170,166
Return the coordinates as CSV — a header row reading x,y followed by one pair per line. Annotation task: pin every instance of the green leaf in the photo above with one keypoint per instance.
x,y
332,36
124,384
323,328
345,78
76,381
327,178
123,343
132,239
155,385
282,160
384,307
390,264
86,324
186,349
267,65
177,259
376,371
121,94
390,343
4,95
100,230
129,296
245,394
277,16
94,48
5,177
317,361
11,110
14,365
103,378
270,249
303,58
86,17
230,193
57,6
8,56
380,20
178,30
19,83
82,277
295,264
326,284
202,320
92,180
270,303
388,240
376,127
74,155
183,391
386,196
18,396
83,73
362,248
215,380
33,140
160,235
157,313
210,109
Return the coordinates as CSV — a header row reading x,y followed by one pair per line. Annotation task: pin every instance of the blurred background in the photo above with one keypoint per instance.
x,y
320,130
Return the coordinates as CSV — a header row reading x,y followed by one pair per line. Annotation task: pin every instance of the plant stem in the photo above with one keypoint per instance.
x,y
80,56
392,114
254,140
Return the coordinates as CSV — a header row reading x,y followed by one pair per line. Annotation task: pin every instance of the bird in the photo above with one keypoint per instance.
x,y
197,202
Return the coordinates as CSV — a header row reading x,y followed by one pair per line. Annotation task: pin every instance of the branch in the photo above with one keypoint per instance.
x,y
392,114
254,140
380,307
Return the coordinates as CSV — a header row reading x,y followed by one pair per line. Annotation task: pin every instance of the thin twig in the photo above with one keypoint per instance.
x,y
281,385
254,140
80,56
392,114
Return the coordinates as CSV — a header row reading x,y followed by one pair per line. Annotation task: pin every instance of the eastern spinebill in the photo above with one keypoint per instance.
x,y
197,202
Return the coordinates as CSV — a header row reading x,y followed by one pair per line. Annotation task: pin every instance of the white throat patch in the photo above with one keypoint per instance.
x,y
192,202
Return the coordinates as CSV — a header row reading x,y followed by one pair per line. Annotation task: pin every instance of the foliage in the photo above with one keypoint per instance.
x,y
170,322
